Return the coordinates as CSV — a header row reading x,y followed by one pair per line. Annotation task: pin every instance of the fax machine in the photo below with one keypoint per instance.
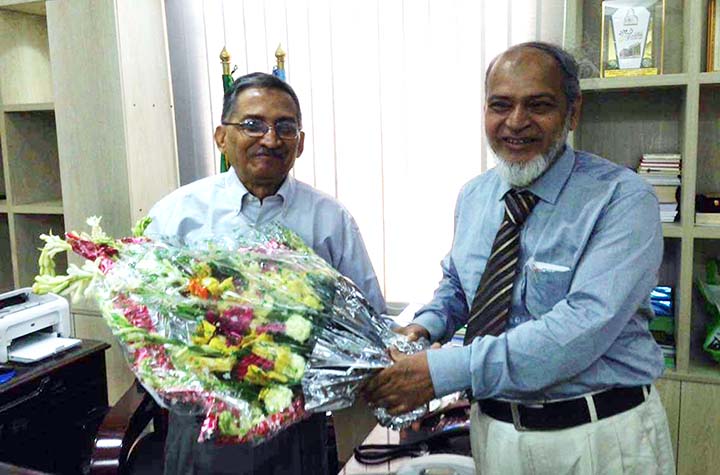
x,y
22,313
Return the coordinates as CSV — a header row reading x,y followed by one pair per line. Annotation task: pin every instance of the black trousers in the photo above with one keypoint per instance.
x,y
299,450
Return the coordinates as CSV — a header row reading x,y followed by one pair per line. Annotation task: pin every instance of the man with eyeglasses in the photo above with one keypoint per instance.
x,y
261,136
553,260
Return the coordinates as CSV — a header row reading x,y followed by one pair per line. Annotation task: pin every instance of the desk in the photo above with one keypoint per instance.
x,y
379,435
48,411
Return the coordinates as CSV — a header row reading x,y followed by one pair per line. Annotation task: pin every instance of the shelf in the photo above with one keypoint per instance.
x,y
709,78
25,64
23,6
3,206
6,272
621,83
703,372
28,228
706,232
672,230
698,373
32,157
29,107
623,125
41,207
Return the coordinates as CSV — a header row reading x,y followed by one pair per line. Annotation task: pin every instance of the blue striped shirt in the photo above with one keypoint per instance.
x,y
590,253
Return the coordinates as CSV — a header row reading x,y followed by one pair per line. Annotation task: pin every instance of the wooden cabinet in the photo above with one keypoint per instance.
x,y
700,429
86,129
50,410
30,188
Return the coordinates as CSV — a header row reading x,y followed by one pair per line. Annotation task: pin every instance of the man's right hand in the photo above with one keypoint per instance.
x,y
413,332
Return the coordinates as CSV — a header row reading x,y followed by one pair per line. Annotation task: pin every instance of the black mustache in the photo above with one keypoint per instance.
x,y
273,152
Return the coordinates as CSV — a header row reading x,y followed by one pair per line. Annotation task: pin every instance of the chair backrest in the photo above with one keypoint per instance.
x,y
123,432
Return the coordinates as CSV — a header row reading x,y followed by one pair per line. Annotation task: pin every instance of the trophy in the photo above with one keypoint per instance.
x,y
632,37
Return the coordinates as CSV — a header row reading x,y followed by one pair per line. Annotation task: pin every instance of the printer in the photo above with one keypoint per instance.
x,y
23,313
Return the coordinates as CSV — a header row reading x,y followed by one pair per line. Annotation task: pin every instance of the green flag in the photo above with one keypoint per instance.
x,y
227,81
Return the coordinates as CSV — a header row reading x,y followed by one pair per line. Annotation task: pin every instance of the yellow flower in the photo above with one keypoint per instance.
x,y
205,363
226,285
252,338
213,286
219,343
256,375
276,398
312,301
288,364
202,270
203,333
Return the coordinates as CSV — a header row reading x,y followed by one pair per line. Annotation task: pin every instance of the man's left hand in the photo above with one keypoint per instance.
x,y
403,386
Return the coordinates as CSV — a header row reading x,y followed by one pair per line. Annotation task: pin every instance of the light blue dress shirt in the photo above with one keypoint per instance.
x,y
220,205
590,254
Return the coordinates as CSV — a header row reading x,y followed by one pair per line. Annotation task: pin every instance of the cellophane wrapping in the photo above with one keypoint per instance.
x,y
254,332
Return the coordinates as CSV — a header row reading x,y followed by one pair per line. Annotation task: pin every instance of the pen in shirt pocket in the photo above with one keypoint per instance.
x,y
537,266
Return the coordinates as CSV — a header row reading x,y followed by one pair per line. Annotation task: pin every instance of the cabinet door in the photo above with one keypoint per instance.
x,y
669,391
700,429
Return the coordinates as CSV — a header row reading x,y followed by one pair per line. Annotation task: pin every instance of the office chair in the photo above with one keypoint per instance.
x,y
124,445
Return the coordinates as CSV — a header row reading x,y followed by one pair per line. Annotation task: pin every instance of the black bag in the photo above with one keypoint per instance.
x,y
446,430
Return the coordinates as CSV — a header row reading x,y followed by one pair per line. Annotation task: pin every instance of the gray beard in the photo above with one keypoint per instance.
x,y
520,175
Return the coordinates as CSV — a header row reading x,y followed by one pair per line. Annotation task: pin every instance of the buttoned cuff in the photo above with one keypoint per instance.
x,y
434,324
450,369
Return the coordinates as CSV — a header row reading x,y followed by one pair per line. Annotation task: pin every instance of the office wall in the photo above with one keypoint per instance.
x,y
392,97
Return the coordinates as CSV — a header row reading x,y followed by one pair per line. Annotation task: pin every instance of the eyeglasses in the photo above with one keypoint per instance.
x,y
256,128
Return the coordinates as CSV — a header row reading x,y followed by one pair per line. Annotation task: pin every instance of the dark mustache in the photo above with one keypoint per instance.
x,y
273,152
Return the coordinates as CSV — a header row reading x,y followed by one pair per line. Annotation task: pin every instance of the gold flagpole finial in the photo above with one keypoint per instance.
x,y
225,60
280,56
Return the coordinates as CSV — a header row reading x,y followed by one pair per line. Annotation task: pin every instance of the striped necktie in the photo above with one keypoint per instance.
x,y
491,305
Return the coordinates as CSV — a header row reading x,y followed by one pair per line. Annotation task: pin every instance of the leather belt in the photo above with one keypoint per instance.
x,y
565,414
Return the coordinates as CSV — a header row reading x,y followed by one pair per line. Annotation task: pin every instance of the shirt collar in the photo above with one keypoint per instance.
x,y
548,186
238,191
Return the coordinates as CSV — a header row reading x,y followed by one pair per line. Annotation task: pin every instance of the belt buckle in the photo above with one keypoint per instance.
x,y
516,418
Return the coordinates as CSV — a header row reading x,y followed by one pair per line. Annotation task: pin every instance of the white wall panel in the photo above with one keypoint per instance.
x,y
323,109
394,152
259,55
392,97
356,95
215,39
297,65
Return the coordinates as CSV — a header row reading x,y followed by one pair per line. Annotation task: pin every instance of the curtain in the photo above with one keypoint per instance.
x,y
392,99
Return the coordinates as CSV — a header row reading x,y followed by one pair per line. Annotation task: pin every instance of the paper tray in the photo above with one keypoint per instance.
x,y
39,346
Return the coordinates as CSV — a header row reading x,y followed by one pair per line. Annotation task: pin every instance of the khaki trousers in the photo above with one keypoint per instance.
x,y
636,441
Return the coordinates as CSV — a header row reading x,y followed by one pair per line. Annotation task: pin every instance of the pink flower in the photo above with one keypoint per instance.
x,y
275,327
234,321
88,249
106,264
138,315
252,359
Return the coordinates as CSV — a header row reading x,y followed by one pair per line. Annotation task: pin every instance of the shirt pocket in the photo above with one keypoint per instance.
x,y
544,284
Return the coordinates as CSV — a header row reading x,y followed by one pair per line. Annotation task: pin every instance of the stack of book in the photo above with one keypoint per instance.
x,y
662,171
662,326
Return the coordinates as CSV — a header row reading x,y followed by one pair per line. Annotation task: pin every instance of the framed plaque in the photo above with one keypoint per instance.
x,y
632,37
713,36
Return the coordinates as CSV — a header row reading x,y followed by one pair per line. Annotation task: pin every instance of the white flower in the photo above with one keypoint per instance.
x,y
276,398
298,328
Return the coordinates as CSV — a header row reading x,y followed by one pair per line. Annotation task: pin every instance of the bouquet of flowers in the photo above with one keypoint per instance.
x,y
253,331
